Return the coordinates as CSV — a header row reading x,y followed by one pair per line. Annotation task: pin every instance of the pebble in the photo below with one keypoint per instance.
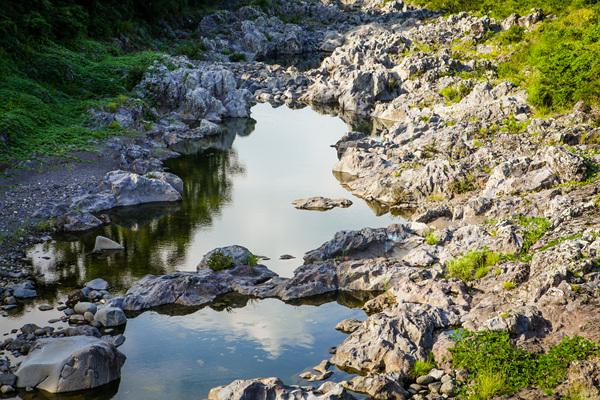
x,y
424,380
45,307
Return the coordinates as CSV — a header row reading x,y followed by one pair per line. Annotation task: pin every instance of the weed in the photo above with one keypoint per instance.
x,y
219,261
431,238
509,285
473,265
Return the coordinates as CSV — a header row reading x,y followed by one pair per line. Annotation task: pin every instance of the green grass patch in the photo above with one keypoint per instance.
x,y
422,367
47,95
431,238
472,265
500,368
455,93
534,228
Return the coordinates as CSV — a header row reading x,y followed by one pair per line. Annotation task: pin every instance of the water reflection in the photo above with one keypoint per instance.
x,y
237,190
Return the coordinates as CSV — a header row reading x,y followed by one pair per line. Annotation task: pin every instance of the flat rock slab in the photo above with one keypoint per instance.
x,y
106,244
69,364
320,203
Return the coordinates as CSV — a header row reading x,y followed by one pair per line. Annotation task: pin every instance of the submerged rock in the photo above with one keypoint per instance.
x,y
70,364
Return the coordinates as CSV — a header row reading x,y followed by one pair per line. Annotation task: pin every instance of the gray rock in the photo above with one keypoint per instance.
x,y
82,307
77,221
24,290
105,244
98,283
111,317
132,189
238,254
69,364
320,203
275,389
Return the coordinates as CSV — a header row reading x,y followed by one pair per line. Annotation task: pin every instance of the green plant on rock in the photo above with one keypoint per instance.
x,y
219,261
431,238
509,285
472,265
492,352
534,228
422,367
454,94
463,184
252,260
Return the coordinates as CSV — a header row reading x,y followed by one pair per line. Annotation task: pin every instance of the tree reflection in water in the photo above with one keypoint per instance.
x,y
155,236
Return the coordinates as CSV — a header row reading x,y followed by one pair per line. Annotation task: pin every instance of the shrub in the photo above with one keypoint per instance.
x,y
507,368
463,185
508,285
473,265
236,57
218,261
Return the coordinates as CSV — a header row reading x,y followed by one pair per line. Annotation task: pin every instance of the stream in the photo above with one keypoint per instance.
x,y
238,190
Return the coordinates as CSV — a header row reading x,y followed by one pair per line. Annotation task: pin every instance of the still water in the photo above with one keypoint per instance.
x,y
238,190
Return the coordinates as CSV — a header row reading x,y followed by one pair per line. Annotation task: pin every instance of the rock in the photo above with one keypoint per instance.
x,y
106,244
45,307
6,389
68,364
407,332
348,325
425,380
8,379
381,387
239,255
88,316
286,257
98,283
24,290
274,389
132,189
447,388
320,203
322,367
77,221
83,307
195,289
111,317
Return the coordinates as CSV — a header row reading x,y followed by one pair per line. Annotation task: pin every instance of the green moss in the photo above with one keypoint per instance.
x,y
472,265
509,285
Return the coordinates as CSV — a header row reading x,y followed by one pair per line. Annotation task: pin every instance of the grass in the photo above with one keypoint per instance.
x,y
252,260
422,367
509,285
472,265
500,368
463,185
45,102
219,262
454,94
431,238
533,229
556,62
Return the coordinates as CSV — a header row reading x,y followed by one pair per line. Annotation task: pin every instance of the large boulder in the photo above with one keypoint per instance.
x,y
131,189
70,364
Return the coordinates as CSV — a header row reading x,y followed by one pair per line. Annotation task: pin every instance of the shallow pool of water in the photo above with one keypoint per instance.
x,y
238,190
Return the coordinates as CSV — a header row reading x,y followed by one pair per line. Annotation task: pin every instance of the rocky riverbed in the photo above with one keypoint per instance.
x,y
500,207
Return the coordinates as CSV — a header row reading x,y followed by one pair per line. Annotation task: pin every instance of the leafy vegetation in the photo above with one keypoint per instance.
x,y
533,229
422,367
500,368
473,265
58,59
252,260
431,238
454,94
219,261
557,61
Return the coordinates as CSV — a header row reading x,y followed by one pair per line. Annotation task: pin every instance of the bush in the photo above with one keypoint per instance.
x,y
431,238
252,260
473,265
219,262
499,367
